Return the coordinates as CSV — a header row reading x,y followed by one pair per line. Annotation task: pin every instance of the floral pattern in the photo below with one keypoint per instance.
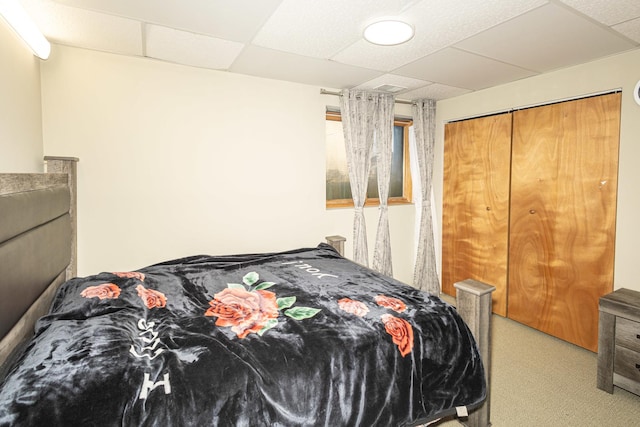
x,y
401,332
130,275
354,307
151,298
245,311
103,291
248,308
390,303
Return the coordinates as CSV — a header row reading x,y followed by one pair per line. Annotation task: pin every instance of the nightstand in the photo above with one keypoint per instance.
x,y
619,341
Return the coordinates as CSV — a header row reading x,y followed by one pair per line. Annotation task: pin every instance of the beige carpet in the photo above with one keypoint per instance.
x,y
541,381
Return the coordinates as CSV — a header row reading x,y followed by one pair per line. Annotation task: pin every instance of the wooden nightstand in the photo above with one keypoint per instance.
x,y
619,341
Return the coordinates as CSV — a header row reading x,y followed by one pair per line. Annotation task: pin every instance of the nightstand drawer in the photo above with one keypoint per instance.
x,y
627,363
619,341
628,334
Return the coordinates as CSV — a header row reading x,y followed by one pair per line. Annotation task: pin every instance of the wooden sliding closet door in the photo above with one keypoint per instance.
x,y
563,211
475,208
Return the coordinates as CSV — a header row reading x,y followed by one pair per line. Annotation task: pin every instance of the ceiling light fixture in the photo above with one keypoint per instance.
x,y
15,15
388,32
389,88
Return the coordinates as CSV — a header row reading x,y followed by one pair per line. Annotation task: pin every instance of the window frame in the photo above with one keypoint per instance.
x,y
407,186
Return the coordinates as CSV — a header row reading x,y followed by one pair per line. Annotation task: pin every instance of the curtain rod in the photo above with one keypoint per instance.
x,y
397,101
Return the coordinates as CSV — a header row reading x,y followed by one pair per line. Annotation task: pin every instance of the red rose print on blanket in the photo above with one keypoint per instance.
x,y
130,275
400,331
248,308
151,298
391,303
245,311
103,291
354,307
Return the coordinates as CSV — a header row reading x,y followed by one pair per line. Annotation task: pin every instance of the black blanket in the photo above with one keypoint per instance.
x,y
299,338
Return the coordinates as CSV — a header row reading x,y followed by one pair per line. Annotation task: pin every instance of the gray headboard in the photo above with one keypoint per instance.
x,y
37,245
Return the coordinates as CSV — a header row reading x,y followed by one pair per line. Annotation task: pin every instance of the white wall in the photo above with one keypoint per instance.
x,y
20,113
620,71
176,161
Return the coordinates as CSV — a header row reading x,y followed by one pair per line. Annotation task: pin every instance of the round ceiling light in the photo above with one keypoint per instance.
x,y
388,32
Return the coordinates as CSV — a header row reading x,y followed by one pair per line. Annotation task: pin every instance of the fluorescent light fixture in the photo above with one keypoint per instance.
x,y
15,15
388,32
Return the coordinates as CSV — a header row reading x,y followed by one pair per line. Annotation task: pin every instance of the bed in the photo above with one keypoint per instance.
x,y
302,337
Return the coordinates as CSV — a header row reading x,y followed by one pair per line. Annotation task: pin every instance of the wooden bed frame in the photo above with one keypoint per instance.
x,y
40,205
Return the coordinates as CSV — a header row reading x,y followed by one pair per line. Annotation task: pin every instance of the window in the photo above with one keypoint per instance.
x,y
337,179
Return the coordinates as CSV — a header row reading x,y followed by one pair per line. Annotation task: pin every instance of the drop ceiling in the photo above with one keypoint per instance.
x,y
459,46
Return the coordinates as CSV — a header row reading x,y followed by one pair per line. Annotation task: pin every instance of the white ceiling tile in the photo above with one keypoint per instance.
x,y
188,48
261,62
83,28
435,91
391,79
236,20
630,29
531,40
451,67
384,58
320,29
438,23
609,12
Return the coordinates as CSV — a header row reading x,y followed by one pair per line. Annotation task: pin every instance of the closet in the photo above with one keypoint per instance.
x,y
529,206
475,205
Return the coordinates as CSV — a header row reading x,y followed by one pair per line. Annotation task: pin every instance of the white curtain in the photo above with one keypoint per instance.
x,y
360,112
384,147
425,275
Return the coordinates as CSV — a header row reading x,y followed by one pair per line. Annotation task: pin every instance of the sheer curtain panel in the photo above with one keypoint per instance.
x,y
425,276
383,144
361,117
